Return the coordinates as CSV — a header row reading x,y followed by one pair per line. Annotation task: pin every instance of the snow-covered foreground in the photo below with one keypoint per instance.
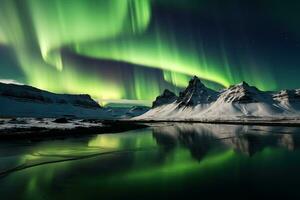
x,y
43,128
237,103
46,123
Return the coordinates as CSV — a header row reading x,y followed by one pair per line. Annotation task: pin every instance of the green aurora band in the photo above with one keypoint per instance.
x,y
38,31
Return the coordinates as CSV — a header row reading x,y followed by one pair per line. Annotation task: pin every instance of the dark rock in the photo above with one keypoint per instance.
x,y
166,98
196,93
61,120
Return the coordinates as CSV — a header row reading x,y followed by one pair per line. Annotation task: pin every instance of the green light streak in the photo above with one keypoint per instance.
x,y
145,87
2,38
79,81
153,51
177,79
116,30
58,23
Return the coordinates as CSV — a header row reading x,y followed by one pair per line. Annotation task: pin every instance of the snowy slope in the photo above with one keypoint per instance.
x,y
238,102
27,101
31,94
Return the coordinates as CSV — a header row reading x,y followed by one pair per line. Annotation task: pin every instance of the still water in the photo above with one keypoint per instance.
x,y
163,161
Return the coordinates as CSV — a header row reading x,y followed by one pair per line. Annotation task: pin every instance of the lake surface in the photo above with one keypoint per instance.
x,y
163,161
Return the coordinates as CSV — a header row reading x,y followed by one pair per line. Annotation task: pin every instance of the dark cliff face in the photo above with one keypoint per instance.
x,y
196,93
165,98
83,100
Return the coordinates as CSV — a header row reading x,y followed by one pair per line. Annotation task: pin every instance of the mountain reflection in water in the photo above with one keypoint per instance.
x,y
163,161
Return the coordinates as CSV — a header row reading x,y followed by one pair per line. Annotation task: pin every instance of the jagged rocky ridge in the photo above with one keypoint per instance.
x,y
238,102
196,93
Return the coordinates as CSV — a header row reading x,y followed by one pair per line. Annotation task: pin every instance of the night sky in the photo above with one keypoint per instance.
x,y
128,50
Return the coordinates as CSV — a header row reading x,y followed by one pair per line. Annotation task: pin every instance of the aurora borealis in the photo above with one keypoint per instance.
x,y
117,50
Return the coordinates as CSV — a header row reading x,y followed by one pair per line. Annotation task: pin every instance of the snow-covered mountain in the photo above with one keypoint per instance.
x,y
196,93
288,95
243,93
237,103
27,101
28,93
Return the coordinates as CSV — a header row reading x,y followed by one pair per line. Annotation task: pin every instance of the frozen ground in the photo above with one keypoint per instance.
x,y
47,123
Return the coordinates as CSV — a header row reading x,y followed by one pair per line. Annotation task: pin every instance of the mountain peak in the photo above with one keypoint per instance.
x,y
196,93
243,93
243,84
195,82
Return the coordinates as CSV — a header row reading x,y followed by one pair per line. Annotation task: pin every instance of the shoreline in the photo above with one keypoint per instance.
x,y
41,133
36,133
287,123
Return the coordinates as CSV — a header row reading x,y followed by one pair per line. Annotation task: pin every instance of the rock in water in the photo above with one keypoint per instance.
x,y
61,120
